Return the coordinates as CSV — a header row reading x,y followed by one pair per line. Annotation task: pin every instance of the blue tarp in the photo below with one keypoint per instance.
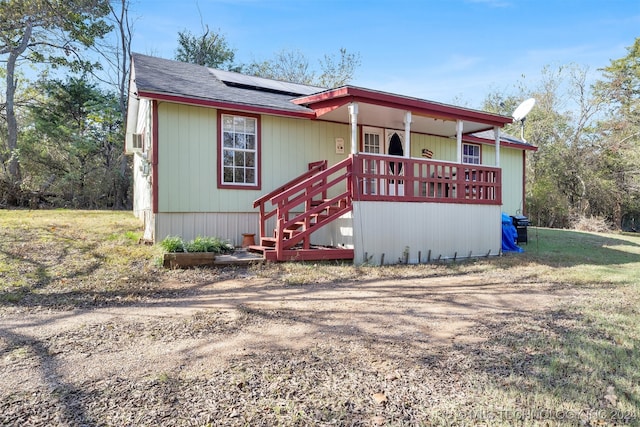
x,y
509,235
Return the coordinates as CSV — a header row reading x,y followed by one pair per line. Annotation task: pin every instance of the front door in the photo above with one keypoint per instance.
x,y
395,147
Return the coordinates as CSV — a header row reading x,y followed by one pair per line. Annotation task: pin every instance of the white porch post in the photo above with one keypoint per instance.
x,y
459,129
353,115
407,133
496,133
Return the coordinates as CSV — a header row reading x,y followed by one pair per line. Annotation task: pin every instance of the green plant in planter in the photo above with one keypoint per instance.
x,y
199,244
173,244
202,244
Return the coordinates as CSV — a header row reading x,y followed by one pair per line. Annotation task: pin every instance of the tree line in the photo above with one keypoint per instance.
x,y
62,131
586,171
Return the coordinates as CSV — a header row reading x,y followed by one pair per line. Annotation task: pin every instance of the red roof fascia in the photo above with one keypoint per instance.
x,y
355,94
323,96
224,105
326,106
503,143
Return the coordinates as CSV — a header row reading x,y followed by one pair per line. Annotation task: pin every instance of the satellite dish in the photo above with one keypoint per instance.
x,y
520,114
523,109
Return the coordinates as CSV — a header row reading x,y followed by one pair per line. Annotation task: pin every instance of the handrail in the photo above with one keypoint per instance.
x,y
314,167
315,178
303,193
346,196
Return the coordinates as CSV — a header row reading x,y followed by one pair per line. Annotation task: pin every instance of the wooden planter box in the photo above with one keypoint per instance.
x,y
188,259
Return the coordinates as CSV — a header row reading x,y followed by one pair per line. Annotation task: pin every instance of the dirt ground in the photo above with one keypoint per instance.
x,y
247,351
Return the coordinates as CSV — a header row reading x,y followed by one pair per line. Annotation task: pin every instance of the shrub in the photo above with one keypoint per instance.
x,y
172,244
199,244
595,224
208,244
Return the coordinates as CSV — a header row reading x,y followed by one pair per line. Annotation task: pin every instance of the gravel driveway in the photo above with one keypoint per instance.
x,y
247,351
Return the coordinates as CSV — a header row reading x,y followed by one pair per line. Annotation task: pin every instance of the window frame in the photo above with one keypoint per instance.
x,y
374,131
466,156
221,149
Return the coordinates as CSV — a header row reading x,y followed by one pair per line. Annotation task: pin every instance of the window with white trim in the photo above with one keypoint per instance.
x,y
371,142
239,150
471,154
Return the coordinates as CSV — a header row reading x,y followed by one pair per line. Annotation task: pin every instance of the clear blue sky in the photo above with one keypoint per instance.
x,y
453,51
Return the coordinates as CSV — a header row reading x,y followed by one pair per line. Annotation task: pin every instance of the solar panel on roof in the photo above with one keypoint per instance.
x,y
262,83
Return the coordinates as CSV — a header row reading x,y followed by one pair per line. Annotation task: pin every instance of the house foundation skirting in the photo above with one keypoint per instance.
x,y
229,226
392,233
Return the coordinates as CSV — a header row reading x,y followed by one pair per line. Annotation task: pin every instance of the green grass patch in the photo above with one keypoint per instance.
x,y
65,257
583,360
583,258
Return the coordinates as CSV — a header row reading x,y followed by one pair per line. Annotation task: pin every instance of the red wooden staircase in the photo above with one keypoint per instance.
x,y
301,207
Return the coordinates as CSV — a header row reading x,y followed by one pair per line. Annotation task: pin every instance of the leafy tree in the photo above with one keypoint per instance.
x,y
208,49
563,185
338,71
589,143
287,65
293,66
619,133
45,32
73,145
115,53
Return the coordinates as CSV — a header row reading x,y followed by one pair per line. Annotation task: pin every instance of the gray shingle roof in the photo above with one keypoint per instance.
x,y
193,81
505,137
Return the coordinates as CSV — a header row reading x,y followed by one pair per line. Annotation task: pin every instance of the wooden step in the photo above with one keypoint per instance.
x,y
268,242
318,217
260,249
298,254
290,232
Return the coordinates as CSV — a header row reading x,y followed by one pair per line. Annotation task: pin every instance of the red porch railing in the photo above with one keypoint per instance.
x,y
402,179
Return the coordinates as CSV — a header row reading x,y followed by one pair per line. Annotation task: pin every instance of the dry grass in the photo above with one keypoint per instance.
x,y
572,363
591,224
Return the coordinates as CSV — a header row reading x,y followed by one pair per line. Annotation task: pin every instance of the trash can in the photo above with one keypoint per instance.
x,y
521,222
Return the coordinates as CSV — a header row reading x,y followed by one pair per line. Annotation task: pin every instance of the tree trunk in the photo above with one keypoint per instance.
x,y
12,123
617,214
121,181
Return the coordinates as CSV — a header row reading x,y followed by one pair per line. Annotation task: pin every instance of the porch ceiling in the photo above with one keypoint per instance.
x,y
392,118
